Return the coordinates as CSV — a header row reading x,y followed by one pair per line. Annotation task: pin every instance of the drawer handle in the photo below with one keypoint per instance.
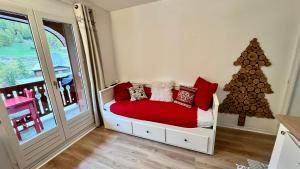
x,y
186,140
118,125
282,132
148,131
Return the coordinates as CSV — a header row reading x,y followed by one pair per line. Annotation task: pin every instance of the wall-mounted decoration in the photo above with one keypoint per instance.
x,y
248,87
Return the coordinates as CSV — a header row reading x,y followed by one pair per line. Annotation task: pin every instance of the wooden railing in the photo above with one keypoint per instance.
x,y
39,89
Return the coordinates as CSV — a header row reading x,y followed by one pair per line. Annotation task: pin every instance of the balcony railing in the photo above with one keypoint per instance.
x,y
39,89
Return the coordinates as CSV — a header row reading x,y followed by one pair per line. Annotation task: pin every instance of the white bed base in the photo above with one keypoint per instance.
x,y
197,139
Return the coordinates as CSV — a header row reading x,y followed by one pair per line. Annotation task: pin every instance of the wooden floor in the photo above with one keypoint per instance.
x,y
103,149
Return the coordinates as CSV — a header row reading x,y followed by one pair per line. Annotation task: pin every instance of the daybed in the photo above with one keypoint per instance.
x,y
169,123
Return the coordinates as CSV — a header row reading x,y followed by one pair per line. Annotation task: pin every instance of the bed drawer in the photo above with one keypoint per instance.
x,y
187,140
148,131
120,125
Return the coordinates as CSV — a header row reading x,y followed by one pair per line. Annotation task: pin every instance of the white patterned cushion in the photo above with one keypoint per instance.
x,y
162,91
186,96
137,92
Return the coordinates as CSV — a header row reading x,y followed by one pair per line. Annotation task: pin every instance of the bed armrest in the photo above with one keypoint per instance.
x,y
215,108
106,95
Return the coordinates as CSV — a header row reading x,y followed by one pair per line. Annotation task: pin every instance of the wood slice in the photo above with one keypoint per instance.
x,y
261,63
252,95
235,89
261,95
235,76
248,67
260,85
242,77
243,89
246,102
246,62
259,72
252,56
232,109
266,110
236,63
252,101
243,70
241,96
250,88
254,43
253,63
244,54
262,57
250,81
260,110
255,81
257,91
263,79
227,87
252,72
240,108
246,108
240,100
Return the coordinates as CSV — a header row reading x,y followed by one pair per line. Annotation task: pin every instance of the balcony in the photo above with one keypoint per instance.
x,y
43,104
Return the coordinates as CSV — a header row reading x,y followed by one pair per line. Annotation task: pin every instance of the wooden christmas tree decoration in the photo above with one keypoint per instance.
x,y
249,86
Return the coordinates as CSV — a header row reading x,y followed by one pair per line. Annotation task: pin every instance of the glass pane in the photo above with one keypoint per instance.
x,y
66,66
22,84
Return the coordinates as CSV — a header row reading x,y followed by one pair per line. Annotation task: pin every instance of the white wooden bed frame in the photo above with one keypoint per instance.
x,y
197,139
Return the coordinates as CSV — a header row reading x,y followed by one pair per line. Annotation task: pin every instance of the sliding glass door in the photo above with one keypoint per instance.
x,y
43,100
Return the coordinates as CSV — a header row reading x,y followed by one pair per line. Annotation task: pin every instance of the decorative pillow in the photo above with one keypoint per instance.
x,y
148,91
174,93
204,94
137,92
121,91
162,91
186,96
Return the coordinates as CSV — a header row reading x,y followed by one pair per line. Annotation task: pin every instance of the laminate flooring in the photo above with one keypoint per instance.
x,y
106,149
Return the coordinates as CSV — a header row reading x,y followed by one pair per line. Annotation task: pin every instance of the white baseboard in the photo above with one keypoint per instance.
x,y
251,129
63,147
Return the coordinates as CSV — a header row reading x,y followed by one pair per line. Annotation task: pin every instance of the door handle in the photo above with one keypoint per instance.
x,y
55,84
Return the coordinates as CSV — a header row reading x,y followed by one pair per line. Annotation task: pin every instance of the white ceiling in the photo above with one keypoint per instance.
x,y
111,5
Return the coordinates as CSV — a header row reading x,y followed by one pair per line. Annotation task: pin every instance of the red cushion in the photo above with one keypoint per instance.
x,y
148,91
156,111
175,93
204,93
186,96
121,91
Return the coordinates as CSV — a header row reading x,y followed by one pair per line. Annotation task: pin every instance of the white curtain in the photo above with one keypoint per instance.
x,y
87,31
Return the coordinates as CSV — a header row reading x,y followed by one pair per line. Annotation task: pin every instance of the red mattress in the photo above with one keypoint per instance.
x,y
156,111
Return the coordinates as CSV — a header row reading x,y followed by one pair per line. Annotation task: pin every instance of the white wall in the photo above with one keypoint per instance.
x,y
104,32
180,40
294,109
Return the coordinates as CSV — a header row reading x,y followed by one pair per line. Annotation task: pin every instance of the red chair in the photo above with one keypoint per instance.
x,y
29,94
16,106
